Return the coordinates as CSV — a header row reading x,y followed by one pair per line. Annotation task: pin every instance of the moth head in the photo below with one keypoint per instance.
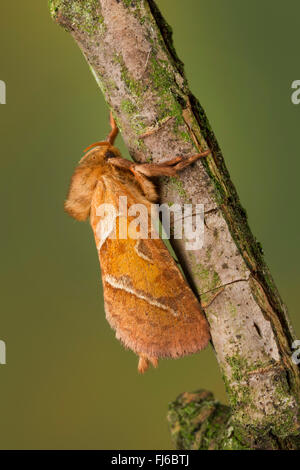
x,y
99,154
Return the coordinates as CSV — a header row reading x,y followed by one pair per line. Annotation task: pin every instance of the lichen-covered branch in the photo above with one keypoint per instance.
x,y
128,46
198,421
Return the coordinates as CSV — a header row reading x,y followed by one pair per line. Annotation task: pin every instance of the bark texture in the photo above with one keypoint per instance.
x,y
128,46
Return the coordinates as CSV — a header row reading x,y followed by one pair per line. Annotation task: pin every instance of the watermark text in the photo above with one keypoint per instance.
x,y
2,352
2,92
296,94
296,353
138,221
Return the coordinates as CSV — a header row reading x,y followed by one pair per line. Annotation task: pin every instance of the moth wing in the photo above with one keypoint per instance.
x,y
147,301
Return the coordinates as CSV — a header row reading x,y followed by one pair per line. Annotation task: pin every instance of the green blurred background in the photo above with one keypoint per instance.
x,y
68,383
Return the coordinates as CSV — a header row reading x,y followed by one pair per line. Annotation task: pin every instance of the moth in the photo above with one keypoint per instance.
x,y
146,298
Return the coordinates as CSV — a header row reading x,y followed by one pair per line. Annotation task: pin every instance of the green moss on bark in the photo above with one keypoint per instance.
x,y
199,422
83,15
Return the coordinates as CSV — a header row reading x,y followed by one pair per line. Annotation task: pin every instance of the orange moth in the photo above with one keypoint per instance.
x,y
147,301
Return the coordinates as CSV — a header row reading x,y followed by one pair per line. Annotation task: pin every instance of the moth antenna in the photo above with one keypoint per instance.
x,y
111,136
114,130
96,144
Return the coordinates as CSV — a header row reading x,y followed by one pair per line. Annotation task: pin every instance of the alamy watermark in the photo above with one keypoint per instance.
x,y
2,352
296,354
137,221
2,92
296,94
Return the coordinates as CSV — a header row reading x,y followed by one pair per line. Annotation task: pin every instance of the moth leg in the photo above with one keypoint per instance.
x,y
147,186
170,162
169,168
188,161
207,304
144,361
143,169
114,130
121,163
152,169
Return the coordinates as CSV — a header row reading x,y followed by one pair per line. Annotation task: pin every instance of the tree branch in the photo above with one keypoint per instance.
x,y
129,48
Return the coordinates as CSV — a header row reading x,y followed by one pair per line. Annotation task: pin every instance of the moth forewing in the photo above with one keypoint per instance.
x,y
147,301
